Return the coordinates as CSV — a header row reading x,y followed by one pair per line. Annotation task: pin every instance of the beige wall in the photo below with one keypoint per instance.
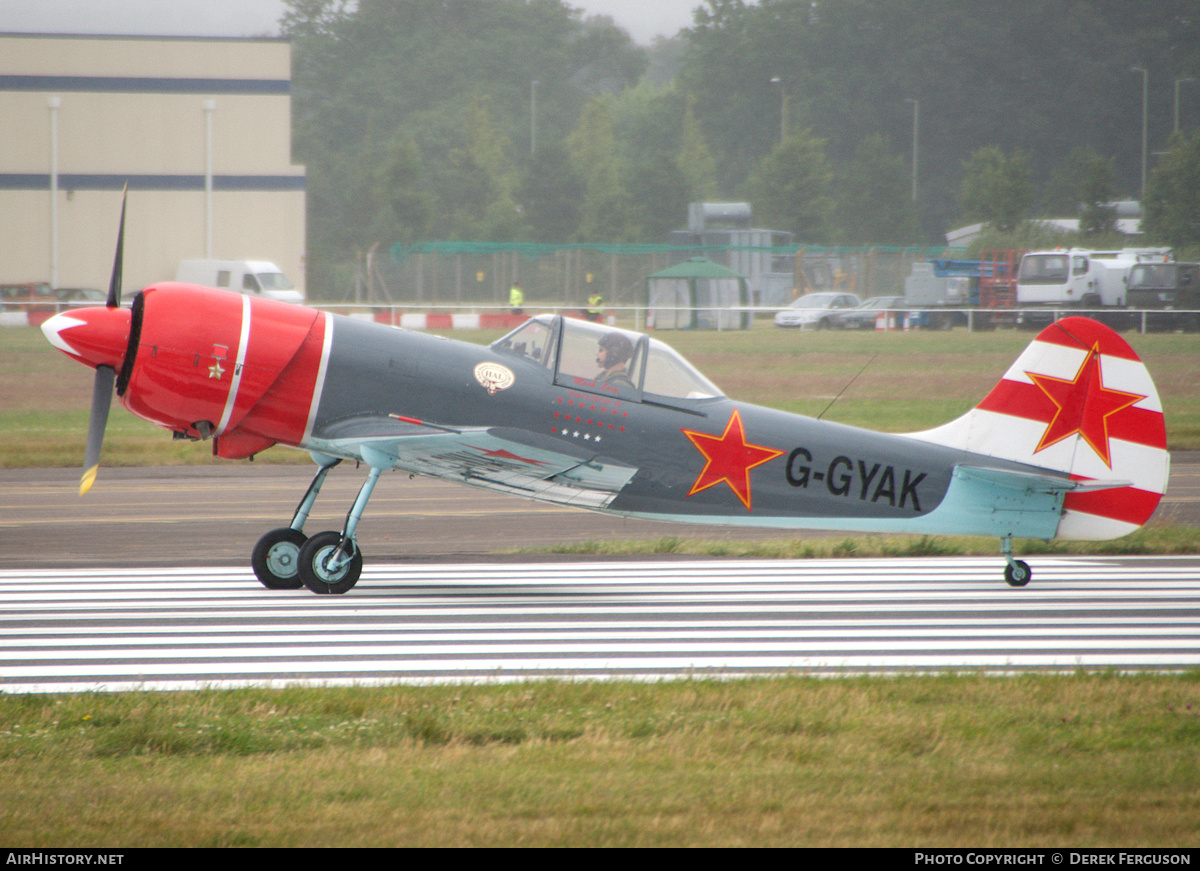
x,y
142,127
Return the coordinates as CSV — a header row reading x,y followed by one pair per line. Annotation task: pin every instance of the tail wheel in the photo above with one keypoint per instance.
x,y
1017,573
276,559
327,566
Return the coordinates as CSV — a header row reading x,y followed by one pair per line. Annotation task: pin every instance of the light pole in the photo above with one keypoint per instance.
x,y
54,104
916,104
1177,83
210,106
533,116
783,101
1145,96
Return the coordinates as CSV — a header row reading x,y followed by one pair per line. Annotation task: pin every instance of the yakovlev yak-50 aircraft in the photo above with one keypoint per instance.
x,y
1070,444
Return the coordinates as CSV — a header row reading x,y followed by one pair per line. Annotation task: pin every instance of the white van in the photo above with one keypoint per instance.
x,y
256,277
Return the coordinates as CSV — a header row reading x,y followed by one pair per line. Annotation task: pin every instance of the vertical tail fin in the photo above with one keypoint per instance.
x,y
1078,400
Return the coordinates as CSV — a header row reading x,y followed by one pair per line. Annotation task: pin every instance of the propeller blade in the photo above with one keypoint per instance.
x,y
102,393
106,376
114,283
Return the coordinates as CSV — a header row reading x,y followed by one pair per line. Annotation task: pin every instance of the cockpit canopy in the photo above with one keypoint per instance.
x,y
632,366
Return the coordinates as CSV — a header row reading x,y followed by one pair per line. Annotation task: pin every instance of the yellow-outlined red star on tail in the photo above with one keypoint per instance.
x,y
1082,408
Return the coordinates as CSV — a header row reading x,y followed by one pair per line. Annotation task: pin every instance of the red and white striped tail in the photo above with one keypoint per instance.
x,y
1077,400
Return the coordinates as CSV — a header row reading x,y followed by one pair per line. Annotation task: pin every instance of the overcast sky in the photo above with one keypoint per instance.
x,y
644,19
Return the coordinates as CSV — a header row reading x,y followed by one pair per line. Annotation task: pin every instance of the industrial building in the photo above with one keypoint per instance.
x,y
199,129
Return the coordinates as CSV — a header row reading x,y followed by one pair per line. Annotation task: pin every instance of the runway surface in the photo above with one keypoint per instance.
x,y
72,630
145,584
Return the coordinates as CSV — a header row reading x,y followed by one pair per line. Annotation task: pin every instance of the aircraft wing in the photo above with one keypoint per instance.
x,y
494,458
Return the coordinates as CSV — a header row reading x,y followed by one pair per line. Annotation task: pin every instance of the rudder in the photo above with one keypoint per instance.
x,y
1077,400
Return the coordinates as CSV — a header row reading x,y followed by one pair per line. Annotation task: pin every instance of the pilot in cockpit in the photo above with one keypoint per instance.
x,y
612,356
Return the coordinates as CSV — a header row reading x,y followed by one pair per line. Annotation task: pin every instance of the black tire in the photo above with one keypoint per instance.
x,y
317,576
276,559
1017,573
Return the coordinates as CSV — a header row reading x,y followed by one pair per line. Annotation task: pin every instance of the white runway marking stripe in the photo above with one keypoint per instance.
x,y
78,630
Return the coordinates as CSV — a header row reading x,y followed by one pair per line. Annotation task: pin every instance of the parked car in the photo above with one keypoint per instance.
x,y
26,293
30,302
816,311
865,316
81,295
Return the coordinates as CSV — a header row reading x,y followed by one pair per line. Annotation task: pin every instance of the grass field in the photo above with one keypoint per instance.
x,y
894,382
955,760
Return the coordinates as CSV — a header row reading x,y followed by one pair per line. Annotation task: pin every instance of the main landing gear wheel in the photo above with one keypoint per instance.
x,y
1017,573
325,567
276,559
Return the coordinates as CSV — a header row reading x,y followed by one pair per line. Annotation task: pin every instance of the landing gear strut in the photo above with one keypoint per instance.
x,y
1017,573
330,562
276,557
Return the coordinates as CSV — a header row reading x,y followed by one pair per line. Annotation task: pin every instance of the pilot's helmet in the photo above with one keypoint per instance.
x,y
618,346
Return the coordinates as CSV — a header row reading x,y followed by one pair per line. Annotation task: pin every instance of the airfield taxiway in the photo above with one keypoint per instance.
x,y
212,515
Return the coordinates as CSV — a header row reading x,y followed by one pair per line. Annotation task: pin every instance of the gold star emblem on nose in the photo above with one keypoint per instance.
x,y
216,370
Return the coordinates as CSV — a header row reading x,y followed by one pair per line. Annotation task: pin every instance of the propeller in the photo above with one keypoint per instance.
x,y
114,283
102,392
106,376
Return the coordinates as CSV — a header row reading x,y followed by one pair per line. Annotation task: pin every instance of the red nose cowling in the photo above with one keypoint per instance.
x,y
208,363
93,336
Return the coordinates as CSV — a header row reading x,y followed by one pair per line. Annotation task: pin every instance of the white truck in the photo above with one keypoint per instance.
x,y
255,277
952,284
1079,278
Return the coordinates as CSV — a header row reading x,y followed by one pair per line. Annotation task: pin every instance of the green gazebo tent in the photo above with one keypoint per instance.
x,y
697,294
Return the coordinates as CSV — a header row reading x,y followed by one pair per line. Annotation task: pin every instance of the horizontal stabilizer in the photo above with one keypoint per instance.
x,y
1032,482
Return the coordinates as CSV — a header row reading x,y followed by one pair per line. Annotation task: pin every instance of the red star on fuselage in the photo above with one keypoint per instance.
x,y
1082,408
729,459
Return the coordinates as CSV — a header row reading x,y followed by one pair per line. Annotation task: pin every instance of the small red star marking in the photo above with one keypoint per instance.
x,y
1081,407
503,454
729,459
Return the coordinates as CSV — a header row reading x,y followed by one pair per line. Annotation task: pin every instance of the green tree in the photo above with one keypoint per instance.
x,y
695,159
790,190
406,206
370,73
551,194
592,145
874,198
996,189
1062,195
1172,202
1045,76
663,194
609,60
473,181
1099,216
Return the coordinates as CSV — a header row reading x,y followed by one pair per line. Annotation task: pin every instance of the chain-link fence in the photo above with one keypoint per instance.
x,y
480,275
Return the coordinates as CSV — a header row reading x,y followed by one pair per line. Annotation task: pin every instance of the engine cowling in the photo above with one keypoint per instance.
x,y
214,364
